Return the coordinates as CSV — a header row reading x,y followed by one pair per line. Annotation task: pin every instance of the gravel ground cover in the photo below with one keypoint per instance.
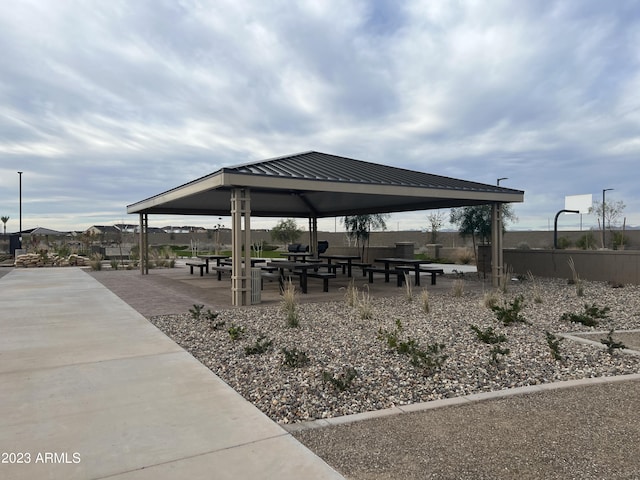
x,y
338,342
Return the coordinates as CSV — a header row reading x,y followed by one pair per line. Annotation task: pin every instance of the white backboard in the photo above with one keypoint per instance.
x,y
582,203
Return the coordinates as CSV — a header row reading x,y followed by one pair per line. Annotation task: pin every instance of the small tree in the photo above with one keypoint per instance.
x,y
436,221
612,212
286,231
360,226
476,221
5,219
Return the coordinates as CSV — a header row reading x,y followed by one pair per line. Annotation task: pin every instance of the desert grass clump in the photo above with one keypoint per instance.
x,y
424,300
458,287
95,262
490,299
408,292
535,287
365,307
575,278
351,294
465,258
290,305
505,278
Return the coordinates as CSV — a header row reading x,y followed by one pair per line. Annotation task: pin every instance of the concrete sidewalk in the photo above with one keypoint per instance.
x,y
90,389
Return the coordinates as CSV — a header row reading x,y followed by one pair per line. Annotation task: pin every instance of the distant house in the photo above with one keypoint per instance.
x,y
42,231
102,230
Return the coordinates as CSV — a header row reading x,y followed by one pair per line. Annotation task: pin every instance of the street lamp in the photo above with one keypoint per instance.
x,y
20,234
603,210
502,178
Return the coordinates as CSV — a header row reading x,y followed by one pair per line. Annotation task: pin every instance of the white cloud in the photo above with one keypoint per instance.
x,y
117,101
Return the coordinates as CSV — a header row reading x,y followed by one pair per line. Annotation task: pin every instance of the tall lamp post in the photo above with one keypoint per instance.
x,y
501,178
603,211
20,233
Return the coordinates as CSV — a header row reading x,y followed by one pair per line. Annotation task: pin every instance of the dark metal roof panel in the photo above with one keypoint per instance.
x,y
318,166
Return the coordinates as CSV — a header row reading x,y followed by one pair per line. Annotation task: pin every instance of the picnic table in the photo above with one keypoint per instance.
x,y
415,262
348,258
294,256
301,269
217,257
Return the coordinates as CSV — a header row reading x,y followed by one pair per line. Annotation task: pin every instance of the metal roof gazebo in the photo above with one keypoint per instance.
x,y
316,185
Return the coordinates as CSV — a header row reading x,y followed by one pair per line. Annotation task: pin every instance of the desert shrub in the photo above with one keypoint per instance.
x,y
261,345
488,335
428,358
589,317
554,345
235,332
564,243
586,242
510,312
611,344
341,381
295,358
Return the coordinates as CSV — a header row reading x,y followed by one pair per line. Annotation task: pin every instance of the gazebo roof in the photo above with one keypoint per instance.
x,y
313,184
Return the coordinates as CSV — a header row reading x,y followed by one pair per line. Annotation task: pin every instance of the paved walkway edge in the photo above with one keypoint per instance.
x,y
448,402
91,389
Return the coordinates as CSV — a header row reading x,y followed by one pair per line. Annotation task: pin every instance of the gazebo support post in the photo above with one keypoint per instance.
x,y
313,236
497,259
241,261
143,244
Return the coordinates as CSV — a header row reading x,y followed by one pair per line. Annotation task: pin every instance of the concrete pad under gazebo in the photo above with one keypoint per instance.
x,y
315,185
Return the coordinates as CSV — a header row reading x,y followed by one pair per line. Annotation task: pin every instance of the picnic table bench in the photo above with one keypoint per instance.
x,y
200,265
433,271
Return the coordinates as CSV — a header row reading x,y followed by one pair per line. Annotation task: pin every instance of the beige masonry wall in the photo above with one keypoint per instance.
x,y
620,267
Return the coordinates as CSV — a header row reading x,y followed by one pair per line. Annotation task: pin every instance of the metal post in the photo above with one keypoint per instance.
x,y
497,259
20,232
604,245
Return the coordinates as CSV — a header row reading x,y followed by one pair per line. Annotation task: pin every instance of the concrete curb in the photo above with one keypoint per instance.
x,y
449,402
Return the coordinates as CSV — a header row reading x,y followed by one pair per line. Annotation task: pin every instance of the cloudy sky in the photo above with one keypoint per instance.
x,y
105,103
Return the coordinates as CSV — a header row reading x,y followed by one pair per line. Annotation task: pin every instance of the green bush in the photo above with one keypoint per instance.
x,y
510,313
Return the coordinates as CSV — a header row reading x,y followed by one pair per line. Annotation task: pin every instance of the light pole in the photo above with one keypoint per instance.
x,y
20,233
603,210
501,178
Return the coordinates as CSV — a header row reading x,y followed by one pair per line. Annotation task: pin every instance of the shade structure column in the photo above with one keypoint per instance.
x,y
144,243
497,259
313,236
241,235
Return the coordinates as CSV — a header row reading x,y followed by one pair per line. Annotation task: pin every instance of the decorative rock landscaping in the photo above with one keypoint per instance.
x,y
337,362
32,260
